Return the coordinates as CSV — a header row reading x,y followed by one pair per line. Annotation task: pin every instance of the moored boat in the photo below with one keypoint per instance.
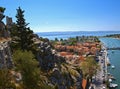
x,y
112,66
113,85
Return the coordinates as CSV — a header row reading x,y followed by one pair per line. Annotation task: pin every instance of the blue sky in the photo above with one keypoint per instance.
x,y
67,15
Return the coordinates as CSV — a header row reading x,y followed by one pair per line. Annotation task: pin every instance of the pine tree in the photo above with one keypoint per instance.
x,y
24,34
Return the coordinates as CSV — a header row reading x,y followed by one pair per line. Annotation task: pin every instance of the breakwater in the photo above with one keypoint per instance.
x,y
114,48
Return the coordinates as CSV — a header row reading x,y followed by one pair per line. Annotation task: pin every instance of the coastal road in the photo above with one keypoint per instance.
x,y
101,75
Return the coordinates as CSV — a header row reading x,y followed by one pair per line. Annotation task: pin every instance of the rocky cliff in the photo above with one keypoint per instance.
x,y
59,73
5,55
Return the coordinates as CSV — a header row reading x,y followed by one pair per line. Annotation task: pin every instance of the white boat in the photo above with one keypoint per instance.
x,y
112,66
113,85
110,80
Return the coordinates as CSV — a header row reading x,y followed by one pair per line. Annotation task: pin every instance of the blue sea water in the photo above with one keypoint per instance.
x,y
114,56
65,35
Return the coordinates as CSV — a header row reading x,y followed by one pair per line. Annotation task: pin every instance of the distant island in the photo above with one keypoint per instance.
x,y
113,36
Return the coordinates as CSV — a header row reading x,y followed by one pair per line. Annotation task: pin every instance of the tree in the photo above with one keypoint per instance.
x,y
56,39
23,35
89,67
2,25
27,65
2,9
5,79
32,77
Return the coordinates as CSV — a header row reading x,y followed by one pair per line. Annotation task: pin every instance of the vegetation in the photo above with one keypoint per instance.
x,y
89,68
24,60
22,35
2,9
2,26
74,40
27,66
5,79
52,71
113,35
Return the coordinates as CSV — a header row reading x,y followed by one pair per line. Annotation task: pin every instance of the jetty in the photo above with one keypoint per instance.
x,y
114,48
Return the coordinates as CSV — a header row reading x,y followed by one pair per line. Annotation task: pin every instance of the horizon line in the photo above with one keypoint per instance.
x,y
78,31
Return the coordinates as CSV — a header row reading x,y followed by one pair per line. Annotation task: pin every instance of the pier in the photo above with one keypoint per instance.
x,y
114,48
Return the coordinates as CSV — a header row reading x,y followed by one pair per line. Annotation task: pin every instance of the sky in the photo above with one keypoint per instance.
x,y
67,15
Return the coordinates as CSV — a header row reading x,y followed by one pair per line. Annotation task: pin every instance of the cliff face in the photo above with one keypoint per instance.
x,y
61,73
5,55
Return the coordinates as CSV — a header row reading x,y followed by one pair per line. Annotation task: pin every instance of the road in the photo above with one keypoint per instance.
x,y
102,73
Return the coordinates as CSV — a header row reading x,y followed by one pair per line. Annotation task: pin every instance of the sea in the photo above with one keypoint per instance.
x,y
68,34
114,55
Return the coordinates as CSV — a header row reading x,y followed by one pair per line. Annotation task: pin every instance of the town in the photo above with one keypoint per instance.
x,y
28,61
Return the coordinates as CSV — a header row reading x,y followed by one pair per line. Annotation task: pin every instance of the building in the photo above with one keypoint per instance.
x,y
9,22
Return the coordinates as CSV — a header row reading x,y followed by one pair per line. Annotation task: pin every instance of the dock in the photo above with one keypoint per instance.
x,y
114,48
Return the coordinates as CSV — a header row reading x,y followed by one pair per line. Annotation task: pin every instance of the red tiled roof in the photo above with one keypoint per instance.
x,y
84,83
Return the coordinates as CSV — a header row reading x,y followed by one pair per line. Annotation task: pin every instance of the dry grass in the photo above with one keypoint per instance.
x,y
4,39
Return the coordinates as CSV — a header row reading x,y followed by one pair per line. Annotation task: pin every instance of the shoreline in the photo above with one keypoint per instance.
x,y
102,74
106,60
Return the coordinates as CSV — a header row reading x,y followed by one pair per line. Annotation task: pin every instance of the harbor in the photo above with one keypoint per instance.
x,y
112,62
102,75
105,79
108,77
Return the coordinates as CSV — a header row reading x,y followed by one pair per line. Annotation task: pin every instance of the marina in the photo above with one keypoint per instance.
x,y
113,67
104,74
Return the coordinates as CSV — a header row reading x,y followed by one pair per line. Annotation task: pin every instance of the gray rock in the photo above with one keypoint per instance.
x,y
5,55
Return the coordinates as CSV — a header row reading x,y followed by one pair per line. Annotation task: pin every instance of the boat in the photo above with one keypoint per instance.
x,y
108,73
113,85
112,66
108,61
110,80
112,51
111,77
